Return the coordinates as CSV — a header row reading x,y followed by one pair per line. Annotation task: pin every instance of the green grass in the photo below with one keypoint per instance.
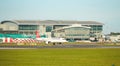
x,y
60,57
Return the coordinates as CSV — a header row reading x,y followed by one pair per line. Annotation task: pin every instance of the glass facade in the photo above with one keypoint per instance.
x,y
77,32
28,27
58,26
73,32
96,27
48,28
96,30
77,28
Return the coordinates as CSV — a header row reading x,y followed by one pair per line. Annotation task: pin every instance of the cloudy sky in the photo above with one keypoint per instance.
x,y
105,11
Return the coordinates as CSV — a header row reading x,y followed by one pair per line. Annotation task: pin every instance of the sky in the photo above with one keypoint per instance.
x,y
104,11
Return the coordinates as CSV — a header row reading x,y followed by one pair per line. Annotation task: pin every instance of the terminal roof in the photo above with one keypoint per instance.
x,y
52,22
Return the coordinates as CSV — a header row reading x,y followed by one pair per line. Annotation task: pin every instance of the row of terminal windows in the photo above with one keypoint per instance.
x,y
33,27
77,34
28,27
78,28
49,28
96,27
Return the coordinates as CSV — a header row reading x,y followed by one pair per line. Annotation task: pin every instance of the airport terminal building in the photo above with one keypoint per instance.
x,y
78,30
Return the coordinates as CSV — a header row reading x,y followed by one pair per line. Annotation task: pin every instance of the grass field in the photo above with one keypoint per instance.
x,y
60,57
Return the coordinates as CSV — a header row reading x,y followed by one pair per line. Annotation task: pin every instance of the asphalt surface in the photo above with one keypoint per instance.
x,y
62,46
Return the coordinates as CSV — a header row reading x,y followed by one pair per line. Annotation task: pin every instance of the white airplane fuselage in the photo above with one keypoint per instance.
x,y
52,40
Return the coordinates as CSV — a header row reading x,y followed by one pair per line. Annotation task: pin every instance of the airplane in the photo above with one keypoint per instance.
x,y
50,40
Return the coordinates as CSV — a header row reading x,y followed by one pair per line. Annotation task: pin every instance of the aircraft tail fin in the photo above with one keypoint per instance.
x,y
37,34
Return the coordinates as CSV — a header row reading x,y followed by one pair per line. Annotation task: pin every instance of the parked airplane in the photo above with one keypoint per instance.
x,y
50,40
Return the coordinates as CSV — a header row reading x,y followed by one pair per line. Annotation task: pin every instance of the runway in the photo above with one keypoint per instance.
x,y
61,46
